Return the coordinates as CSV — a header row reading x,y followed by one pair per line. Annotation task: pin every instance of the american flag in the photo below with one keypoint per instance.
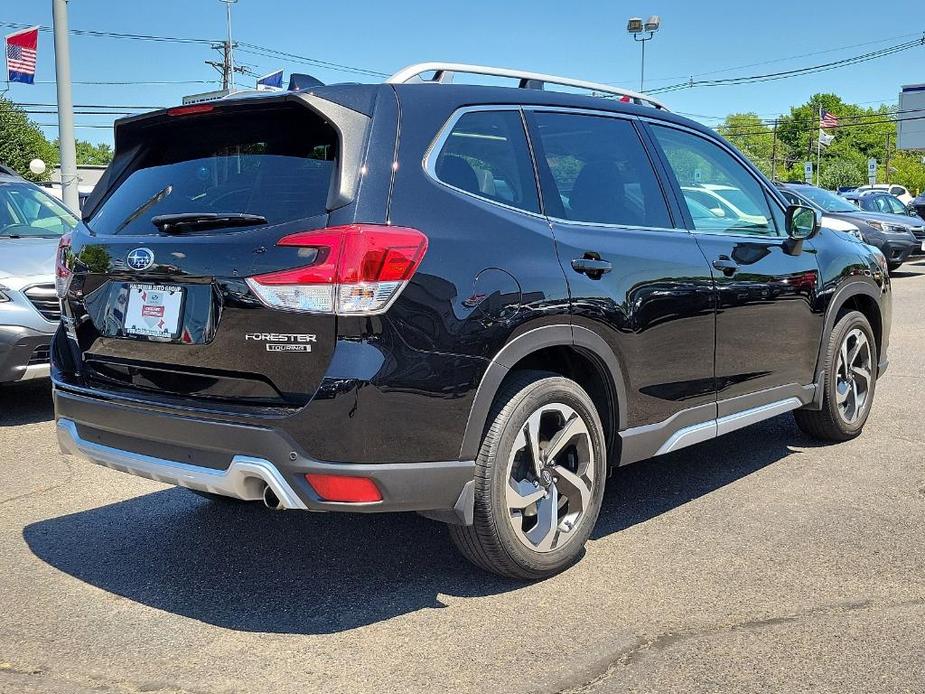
x,y
20,55
828,120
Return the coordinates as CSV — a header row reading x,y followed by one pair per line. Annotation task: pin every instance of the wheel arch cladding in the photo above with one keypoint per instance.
x,y
854,296
574,352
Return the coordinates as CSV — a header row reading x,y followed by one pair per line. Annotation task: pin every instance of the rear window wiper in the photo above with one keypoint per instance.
x,y
172,223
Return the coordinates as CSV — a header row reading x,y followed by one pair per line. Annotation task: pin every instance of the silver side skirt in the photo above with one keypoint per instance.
x,y
245,478
717,427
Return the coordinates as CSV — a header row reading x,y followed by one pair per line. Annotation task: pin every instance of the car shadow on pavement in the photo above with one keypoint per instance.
x,y
243,567
644,490
26,403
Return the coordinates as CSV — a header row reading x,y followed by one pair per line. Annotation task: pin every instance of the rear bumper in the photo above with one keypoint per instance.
x,y
23,353
238,460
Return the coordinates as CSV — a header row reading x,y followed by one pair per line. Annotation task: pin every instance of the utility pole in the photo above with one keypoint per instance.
x,y
226,67
774,154
228,79
886,159
68,149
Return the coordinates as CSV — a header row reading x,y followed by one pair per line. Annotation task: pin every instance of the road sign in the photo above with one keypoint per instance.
x,y
871,171
808,171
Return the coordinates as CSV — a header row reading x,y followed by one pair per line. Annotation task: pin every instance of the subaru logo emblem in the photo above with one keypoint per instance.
x,y
140,259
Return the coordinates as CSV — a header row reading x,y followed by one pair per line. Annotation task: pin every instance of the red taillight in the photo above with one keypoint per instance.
x,y
62,271
359,269
190,110
343,488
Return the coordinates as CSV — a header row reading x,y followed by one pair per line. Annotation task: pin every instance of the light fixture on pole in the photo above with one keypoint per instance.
x,y
642,32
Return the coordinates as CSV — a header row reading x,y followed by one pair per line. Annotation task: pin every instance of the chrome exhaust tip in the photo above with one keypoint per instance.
x,y
270,500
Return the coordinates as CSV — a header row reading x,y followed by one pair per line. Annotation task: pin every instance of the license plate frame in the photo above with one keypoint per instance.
x,y
153,310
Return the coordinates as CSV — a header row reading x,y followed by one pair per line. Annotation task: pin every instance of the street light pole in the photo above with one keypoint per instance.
x,y
68,150
639,29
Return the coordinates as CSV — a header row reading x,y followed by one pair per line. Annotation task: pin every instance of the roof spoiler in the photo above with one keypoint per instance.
x,y
298,81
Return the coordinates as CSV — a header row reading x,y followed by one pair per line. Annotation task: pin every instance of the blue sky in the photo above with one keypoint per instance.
x,y
581,38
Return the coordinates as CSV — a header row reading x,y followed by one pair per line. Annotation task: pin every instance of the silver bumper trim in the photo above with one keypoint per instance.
x,y
35,371
244,479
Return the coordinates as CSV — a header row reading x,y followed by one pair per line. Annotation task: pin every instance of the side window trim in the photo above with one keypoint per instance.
x,y
429,163
547,186
771,196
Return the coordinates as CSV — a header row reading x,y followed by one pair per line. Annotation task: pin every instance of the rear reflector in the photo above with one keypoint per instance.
x,y
358,269
190,110
343,488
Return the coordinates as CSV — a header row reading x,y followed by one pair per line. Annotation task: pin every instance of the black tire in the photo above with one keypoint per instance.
x,y
217,498
491,542
829,424
893,267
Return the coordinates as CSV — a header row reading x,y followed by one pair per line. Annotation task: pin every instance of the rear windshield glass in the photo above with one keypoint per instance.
x,y
274,163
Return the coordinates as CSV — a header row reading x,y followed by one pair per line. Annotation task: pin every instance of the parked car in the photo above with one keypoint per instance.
x,y
31,224
721,201
895,215
897,191
918,206
279,298
895,241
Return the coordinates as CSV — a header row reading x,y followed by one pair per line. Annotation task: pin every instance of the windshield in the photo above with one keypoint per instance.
x,y
276,164
25,211
829,202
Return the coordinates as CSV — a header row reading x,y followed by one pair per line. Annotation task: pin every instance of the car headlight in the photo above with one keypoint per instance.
x,y
883,226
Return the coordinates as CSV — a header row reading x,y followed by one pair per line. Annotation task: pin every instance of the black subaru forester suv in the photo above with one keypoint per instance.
x,y
471,302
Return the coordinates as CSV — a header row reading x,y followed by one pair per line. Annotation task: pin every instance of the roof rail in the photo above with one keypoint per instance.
x,y
443,73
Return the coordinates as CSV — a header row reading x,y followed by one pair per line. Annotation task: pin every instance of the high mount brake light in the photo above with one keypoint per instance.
x,y
358,270
62,271
190,110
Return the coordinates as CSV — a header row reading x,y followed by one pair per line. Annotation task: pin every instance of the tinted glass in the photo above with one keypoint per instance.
x,y
277,164
721,194
826,200
27,211
896,207
486,154
600,171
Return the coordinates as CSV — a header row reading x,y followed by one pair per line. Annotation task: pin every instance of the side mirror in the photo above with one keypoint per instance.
x,y
801,222
911,211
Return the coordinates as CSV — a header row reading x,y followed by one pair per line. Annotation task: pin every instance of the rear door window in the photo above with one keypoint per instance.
x,y
600,171
486,155
276,163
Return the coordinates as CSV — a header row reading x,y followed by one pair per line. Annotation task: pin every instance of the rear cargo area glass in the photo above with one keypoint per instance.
x,y
276,163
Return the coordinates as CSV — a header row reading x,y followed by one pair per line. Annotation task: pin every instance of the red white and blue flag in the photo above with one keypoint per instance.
x,y
828,120
21,50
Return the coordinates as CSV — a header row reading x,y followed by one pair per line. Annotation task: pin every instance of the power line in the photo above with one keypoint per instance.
x,y
264,52
253,48
796,72
785,59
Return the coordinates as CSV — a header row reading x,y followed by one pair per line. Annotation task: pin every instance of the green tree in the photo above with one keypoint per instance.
x,y
753,137
21,141
88,153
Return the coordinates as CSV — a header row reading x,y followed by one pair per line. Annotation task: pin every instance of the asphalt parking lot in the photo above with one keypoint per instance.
x,y
756,561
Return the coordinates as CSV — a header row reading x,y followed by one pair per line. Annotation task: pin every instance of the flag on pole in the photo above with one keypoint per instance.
x,y
21,49
825,140
270,82
828,120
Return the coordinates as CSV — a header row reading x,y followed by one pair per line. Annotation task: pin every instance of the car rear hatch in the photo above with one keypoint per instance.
x,y
195,202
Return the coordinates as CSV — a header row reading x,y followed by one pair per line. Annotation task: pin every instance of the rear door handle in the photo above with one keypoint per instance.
x,y
725,264
592,267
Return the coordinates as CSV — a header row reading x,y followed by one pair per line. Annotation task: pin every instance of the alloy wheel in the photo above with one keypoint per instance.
x,y
853,376
550,477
